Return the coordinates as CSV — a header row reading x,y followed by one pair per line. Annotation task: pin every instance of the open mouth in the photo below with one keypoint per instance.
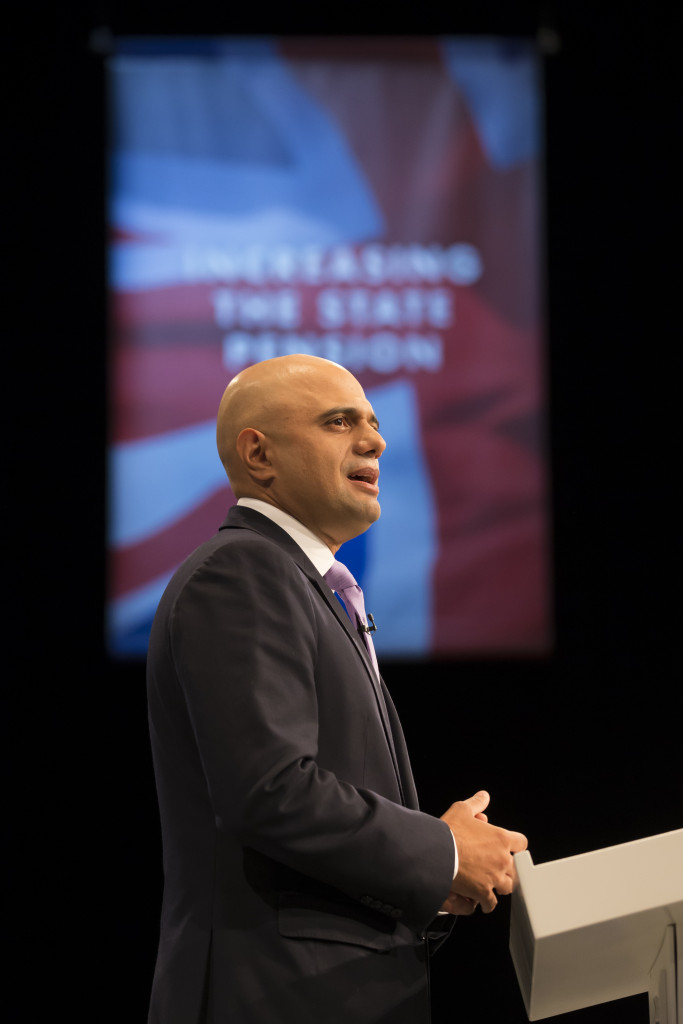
x,y
367,477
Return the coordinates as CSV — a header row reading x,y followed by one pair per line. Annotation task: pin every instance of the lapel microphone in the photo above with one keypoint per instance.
x,y
368,629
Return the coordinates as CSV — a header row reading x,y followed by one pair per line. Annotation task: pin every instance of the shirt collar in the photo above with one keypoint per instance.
x,y
312,546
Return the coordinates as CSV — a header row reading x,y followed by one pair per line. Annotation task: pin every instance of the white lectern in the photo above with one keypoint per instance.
x,y
601,926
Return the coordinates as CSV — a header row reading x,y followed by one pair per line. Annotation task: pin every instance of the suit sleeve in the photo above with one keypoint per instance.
x,y
243,638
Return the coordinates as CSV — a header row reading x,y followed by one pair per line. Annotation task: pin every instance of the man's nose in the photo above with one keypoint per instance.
x,y
371,442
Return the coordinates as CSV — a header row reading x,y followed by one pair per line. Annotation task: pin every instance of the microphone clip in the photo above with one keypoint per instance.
x,y
372,628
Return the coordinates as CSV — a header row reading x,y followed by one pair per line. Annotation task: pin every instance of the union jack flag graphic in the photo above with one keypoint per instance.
x,y
375,204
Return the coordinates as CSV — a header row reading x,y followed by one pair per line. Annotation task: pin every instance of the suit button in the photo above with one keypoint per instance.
x,y
367,900
376,904
387,908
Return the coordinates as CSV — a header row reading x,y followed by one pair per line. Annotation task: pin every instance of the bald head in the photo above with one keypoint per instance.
x,y
263,396
298,432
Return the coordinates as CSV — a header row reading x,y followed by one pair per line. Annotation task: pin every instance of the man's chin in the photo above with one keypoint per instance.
x,y
368,514
370,511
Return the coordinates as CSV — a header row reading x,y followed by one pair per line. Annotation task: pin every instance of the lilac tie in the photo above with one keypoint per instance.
x,y
340,579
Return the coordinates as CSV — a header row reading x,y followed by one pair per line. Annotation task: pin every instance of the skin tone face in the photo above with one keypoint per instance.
x,y
299,433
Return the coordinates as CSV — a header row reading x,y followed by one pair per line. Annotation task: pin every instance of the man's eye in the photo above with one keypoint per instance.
x,y
338,421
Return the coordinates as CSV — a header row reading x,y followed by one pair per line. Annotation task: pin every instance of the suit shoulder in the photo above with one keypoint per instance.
x,y
235,571
233,552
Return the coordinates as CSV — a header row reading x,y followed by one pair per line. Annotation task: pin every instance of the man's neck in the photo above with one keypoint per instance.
x,y
312,546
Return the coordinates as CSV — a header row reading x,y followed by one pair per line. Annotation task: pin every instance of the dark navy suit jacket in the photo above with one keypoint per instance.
x,y
300,875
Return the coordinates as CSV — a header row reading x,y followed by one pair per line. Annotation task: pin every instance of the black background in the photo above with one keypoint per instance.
x,y
579,750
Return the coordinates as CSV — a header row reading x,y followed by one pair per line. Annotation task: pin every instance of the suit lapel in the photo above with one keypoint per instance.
x,y
247,518
331,601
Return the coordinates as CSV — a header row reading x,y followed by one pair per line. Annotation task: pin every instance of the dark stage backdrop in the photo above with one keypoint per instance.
x,y
578,748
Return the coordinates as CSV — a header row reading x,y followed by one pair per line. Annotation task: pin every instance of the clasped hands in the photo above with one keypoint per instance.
x,y
485,864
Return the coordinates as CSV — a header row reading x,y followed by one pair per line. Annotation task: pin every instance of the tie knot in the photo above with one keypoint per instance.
x,y
339,578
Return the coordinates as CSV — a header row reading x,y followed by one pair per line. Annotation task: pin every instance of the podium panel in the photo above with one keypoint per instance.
x,y
588,929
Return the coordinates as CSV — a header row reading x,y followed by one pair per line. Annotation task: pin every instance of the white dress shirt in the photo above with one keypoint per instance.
x,y
312,546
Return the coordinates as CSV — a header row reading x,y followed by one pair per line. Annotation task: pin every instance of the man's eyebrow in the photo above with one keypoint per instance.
x,y
352,412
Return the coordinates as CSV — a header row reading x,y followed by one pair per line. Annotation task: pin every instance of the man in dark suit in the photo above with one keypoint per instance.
x,y
302,883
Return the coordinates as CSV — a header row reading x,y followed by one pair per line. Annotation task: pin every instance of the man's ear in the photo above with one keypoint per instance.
x,y
251,448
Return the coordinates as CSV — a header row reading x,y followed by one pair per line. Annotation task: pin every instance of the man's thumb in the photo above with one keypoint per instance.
x,y
479,802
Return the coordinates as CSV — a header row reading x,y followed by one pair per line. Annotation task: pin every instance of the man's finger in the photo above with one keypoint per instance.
x,y
460,905
505,886
517,841
479,802
488,903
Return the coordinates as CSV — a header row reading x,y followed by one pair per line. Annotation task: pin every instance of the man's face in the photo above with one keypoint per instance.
x,y
324,445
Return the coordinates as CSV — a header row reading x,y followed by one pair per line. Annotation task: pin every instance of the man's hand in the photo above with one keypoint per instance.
x,y
484,856
461,906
